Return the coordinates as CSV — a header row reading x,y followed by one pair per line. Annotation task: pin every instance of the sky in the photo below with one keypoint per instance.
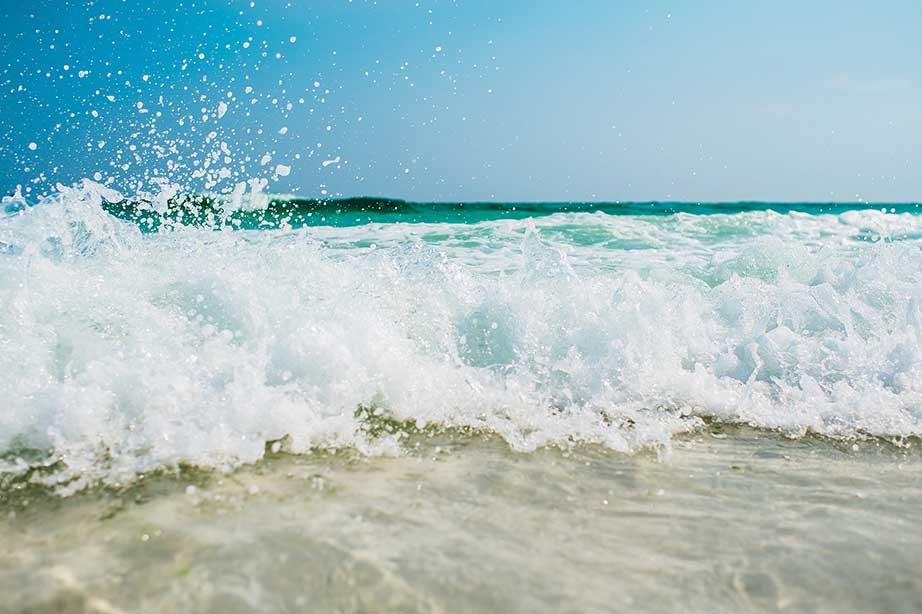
x,y
538,100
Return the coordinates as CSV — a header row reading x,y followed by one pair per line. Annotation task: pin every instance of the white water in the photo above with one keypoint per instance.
x,y
122,352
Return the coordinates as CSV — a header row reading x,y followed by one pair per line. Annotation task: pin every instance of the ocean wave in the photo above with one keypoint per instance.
x,y
126,351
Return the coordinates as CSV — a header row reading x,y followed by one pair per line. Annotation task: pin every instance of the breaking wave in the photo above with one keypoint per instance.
x,y
124,351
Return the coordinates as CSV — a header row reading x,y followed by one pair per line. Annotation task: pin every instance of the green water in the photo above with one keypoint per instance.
x,y
297,212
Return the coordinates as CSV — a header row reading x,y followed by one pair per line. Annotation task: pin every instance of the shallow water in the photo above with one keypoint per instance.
x,y
705,409
732,520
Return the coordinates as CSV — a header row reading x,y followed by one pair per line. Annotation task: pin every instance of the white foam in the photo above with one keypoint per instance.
x,y
123,352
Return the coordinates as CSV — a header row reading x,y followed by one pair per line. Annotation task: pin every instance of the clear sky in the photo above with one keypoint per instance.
x,y
468,100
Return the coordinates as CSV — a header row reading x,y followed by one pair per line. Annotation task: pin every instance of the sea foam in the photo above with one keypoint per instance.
x,y
123,352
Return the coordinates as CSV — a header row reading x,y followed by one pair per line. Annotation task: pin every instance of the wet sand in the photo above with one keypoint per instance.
x,y
728,521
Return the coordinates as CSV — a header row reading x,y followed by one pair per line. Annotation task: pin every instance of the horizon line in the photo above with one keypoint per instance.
x,y
289,196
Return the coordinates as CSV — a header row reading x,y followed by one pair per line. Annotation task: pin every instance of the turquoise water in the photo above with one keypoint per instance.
x,y
138,335
295,212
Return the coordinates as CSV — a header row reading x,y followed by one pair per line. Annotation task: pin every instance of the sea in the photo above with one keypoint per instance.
x,y
247,404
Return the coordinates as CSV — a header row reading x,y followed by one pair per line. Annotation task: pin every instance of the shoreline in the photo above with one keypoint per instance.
x,y
732,519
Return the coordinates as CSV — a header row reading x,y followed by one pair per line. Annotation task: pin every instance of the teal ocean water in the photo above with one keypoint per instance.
x,y
144,334
275,212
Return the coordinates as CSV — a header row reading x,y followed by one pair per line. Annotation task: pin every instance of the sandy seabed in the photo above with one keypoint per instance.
x,y
728,520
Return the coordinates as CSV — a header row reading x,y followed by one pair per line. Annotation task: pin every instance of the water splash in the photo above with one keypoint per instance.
x,y
126,351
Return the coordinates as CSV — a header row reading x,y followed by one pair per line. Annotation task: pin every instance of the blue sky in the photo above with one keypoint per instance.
x,y
467,100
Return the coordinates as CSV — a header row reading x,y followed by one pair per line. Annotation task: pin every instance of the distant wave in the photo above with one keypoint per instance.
x,y
294,212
